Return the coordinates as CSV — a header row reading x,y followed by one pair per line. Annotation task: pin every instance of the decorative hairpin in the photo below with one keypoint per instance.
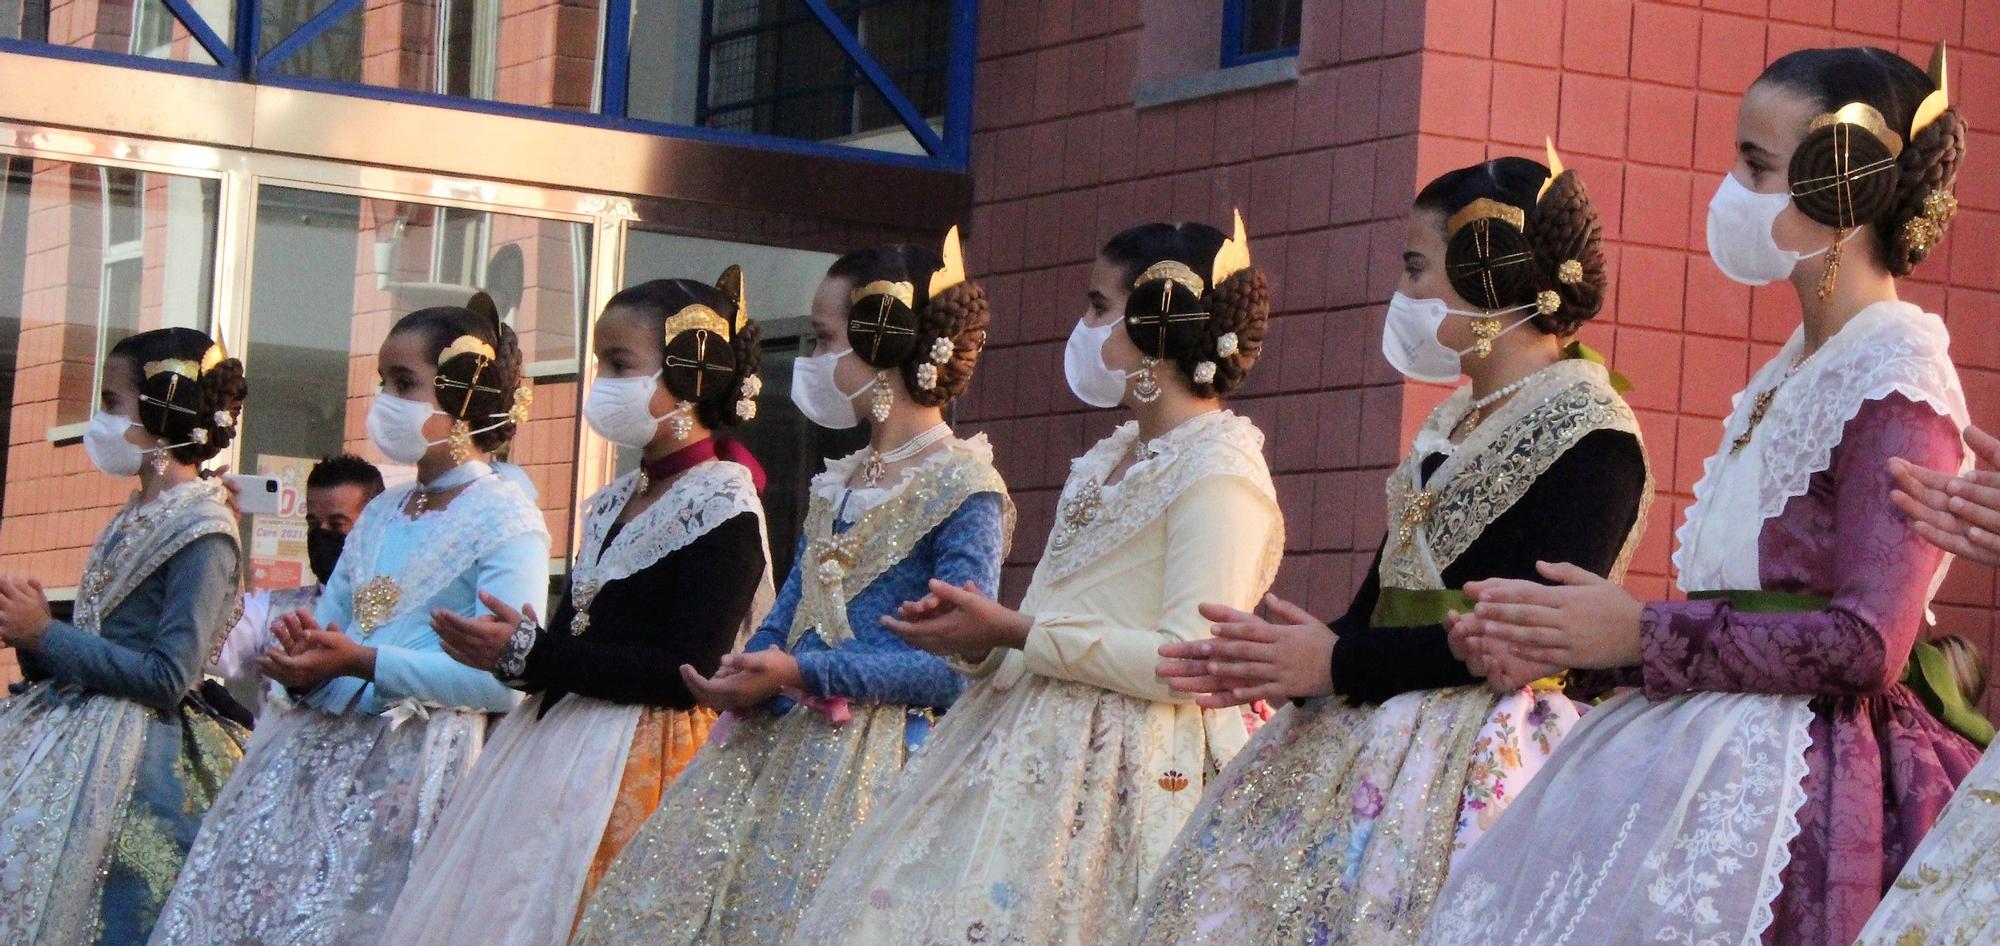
x,y
695,316
1555,169
731,284
1924,230
1233,257
953,271
1173,271
466,345
1486,208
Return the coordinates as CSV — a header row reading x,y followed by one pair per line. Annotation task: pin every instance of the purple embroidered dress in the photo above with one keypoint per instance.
x,y
1770,776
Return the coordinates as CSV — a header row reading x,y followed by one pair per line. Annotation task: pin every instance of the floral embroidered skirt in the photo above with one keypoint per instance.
x,y
741,839
513,852
100,798
1949,892
1337,824
310,842
1033,815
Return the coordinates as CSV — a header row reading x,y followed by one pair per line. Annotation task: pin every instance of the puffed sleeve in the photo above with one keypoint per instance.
x,y
1882,570
199,596
516,572
1216,533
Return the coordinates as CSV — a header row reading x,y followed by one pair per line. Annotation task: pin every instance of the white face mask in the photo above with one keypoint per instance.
x,y
1089,378
1739,234
1410,339
105,444
818,395
397,427
621,409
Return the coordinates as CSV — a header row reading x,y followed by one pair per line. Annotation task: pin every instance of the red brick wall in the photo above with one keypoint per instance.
x,y
1640,96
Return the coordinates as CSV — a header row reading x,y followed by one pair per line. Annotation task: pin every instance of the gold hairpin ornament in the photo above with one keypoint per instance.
x,y
731,284
1555,169
184,367
1234,256
953,271
696,316
1939,101
1173,271
903,292
1486,208
466,345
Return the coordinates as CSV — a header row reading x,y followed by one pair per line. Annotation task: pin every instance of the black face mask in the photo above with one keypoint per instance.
x,y
323,551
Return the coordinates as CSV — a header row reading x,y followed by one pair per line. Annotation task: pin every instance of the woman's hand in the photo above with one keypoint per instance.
x,y
305,658
959,621
744,680
478,641
1959,514
1585,621
24,613
1252,658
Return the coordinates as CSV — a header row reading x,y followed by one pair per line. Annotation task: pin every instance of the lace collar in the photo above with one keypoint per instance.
x,y
704,497
831,483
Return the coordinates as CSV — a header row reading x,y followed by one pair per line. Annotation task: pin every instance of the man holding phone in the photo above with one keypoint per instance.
x,y
337,488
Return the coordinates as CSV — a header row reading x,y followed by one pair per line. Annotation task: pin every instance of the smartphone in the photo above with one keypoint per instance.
x,y
255,494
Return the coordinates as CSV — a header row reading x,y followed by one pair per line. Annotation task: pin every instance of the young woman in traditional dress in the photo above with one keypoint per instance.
x,y
1771,775
311,841
671,561
107,759
824,704
1053,788
1338,822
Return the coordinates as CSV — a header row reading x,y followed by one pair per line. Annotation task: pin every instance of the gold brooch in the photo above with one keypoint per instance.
x,y
374,602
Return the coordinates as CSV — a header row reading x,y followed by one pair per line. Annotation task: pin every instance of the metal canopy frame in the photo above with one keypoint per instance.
x,y
243,61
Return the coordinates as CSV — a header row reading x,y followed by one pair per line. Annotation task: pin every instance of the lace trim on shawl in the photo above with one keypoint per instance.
x,y
141,538
832,481
837,566
1500,461
1219,443
490,512
1889,348
703,498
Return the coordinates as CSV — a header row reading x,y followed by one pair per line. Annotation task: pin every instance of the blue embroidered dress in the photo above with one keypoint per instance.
x,y
106,761
744,835
311,841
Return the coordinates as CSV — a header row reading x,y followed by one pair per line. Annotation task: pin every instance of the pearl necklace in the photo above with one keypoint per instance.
x,y
878,460
1479,406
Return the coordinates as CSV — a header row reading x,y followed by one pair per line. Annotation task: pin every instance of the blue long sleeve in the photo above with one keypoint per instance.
x,y
518,573
186,604
777,624
878,666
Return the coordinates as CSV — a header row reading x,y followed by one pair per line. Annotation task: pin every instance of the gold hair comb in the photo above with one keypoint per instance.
x,y
466,345
953,271
1233,257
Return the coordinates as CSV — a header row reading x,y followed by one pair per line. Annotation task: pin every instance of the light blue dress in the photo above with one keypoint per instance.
x,y
311,841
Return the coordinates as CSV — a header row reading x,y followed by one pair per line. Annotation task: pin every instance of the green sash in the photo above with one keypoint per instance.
x,y
1407,607
1927,674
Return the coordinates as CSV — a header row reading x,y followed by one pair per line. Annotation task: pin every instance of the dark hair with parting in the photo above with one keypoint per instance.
x,y
471,387
345,469
706,364
1508,241
896,324
1175,315
189,392
1909,202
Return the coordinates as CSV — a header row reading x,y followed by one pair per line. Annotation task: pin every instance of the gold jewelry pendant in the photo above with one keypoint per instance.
x,y
461,441
1826,282
160,461
374,602
681,421
1485,330
883,400
1147,387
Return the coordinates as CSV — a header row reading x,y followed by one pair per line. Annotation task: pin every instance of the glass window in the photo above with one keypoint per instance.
x,y
779,283
333,272
1259,29
88,255
140,27
541,54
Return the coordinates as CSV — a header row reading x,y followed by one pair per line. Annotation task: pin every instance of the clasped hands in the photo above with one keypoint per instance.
x,y
1518,632
24,613
305,655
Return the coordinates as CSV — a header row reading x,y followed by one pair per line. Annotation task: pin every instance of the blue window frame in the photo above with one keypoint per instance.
x,y
876,65
1255,30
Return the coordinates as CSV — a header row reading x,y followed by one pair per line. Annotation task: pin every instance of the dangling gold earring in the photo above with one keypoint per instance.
x,y
1147,388
681,422
1826,282
461,441
884,399
1485,330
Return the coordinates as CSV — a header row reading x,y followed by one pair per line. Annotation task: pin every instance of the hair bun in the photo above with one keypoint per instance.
x,y
882,327
1166,315
1568,243
1825,185
950,336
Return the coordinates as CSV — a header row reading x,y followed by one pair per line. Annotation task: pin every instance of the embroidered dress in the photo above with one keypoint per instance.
x,y
509,859
1771,776
1949,892
311,840
1051,791
107,761
745,834
1337,823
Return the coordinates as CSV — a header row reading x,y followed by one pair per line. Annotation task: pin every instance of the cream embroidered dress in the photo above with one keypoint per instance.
x,y
1053,788
310,842
1338,822
743,836
1949,892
